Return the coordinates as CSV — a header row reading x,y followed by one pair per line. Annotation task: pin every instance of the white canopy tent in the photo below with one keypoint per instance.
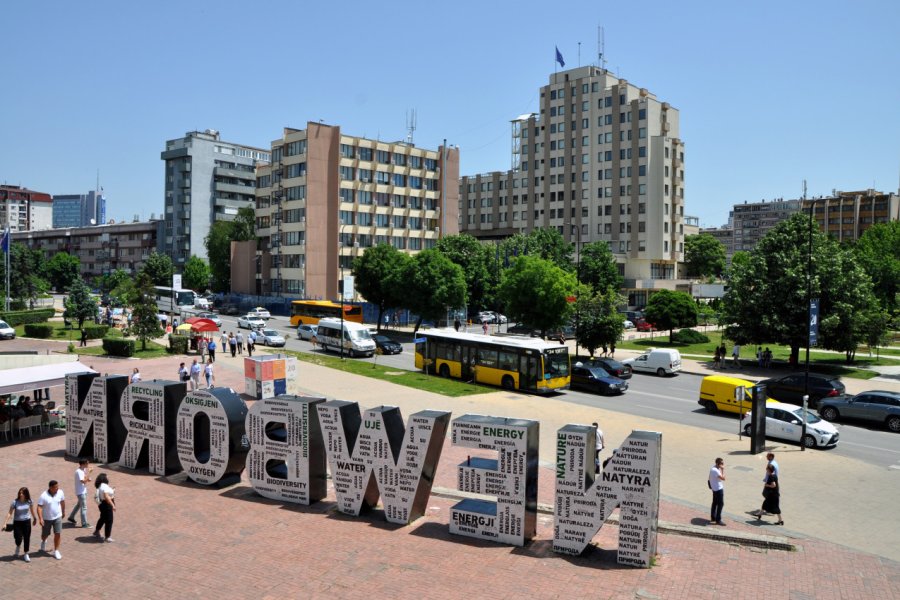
x,y
25,379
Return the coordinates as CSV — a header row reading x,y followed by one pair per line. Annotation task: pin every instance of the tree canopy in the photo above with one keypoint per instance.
x,y
196,274
159,268
599,323
62,270
26,273
218,245
379,274
79,304
479,264
597,267
546,243
536,291
431,284
144,319
878,251
704,256
668,310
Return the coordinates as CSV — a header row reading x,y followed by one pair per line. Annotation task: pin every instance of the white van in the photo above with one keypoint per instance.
x,y
662,361
356,338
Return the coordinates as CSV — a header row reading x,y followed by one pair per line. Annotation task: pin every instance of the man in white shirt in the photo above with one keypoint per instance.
x,y
195,375
717,485
82,477
52,505
598,447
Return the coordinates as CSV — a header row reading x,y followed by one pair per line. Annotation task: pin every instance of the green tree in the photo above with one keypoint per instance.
x,y
537,292
432,283
79,304
545,243
218,245
244,225
878,251
704,256
597,267
144,320
159,268
62,270
599,323
196,274
26,273
479,265
670,310
378,274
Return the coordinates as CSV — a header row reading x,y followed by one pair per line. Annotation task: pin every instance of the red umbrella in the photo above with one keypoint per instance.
x,y
202,325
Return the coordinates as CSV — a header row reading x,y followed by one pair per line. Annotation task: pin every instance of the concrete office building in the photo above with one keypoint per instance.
x,y
79,210
207,180
326,197
22,209
602,161
101,249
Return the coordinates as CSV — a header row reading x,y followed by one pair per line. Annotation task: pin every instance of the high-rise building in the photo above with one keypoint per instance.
x,y
79,210
207,180
602,161
22,209
326,197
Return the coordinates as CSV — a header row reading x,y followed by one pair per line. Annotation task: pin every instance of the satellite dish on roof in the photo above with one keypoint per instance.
x,y
93,221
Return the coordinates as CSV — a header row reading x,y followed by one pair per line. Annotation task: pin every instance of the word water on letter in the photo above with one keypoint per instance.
x,y
94,426
211,443
375,455
630,481
287,455
511,478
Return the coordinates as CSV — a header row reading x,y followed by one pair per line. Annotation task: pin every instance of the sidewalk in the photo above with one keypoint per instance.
x,y
175,537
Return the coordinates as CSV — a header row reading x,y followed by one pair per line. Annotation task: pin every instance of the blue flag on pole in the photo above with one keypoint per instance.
x,y
4,243
559,57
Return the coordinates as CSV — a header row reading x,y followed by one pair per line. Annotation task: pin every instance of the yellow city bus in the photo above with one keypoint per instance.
x,y
309,312
515,363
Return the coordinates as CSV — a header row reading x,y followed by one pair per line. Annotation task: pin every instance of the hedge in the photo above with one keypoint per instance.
x,y
21,317
178,344
118,346
96,332
38,330
689,336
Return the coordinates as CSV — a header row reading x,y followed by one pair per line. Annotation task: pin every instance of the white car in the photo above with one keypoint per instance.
x,y
251,321
628,324
785,421
212,317
6,332
201,302
269,337
260,312
306,332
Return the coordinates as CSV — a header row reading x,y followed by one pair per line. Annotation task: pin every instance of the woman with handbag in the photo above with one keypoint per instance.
x,y
771,495
21,526
107,502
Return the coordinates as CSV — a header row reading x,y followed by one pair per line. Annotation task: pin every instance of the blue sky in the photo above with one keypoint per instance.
x,y
770,93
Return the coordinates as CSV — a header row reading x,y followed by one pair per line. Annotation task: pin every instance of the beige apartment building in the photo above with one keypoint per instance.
x,y
326,197
601,161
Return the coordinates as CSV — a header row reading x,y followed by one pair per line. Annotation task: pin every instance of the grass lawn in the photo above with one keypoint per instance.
x,y
61,333
413,379
153,350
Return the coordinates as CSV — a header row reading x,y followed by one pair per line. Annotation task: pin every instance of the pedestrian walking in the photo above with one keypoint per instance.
x,y
184,375
767,358
106,501
135,375
232,343
456,324
22,512
484,327
82,478
83,338
722,355
736,355
716,358
210,378
251,342
211,349
598,447
240,342
202,346
771,495
717,485
53,506
759,356
612,350
195,374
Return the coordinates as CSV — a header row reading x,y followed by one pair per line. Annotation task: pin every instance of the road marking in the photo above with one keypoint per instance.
x,y
846,443
677,412
663,396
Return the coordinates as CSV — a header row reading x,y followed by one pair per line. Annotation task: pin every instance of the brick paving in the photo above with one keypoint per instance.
x,y
174,537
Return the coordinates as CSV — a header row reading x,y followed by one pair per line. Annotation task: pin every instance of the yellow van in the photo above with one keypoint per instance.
x,y
717,393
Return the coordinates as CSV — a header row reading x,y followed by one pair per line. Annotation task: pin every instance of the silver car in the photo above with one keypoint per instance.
x,y
306,332
269,337
251,322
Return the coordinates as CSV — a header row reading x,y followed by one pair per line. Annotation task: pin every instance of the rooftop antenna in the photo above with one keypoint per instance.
x,y
600,46
410,125
579,54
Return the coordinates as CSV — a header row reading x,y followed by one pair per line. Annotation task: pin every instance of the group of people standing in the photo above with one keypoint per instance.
x,y
191,375
51,508
771,491
763,357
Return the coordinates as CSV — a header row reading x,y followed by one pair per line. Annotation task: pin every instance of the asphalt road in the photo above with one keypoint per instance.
x,y
668,398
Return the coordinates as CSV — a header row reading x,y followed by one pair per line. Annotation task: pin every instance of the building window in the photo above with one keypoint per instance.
x,y
347,151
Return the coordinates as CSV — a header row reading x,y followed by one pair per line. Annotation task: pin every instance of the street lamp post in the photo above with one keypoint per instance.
x,y
578,280
812,204
341,282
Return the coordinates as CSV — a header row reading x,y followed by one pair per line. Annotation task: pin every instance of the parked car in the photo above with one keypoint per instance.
x,y
628,324
212,317
611,366
260,312
229,309
306,332
791,388
250,321
785,422
269,337
6,332
387,345
643,325
719,392
875,406
523,330
202,302
595,379
662,361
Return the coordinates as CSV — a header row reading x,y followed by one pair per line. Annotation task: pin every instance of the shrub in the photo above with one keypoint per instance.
x,y
118,346
38,330
178,344
689,336
21,317
96,332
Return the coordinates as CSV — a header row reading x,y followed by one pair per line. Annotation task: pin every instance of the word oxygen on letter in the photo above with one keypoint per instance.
x,y
211,443
512,479
372,454
630,481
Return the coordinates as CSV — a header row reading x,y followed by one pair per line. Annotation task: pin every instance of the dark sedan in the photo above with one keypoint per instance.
x,y
791,388
386,344
875,406
611,366
595,379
